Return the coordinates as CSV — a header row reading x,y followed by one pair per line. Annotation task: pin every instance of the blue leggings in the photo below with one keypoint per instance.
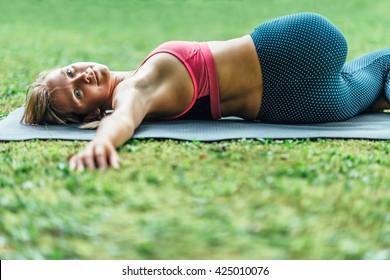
x,y
305,78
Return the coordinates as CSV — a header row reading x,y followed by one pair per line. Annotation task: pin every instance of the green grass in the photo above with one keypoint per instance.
x,y
247,199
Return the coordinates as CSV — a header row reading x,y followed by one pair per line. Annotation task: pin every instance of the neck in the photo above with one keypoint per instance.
x,y
116,78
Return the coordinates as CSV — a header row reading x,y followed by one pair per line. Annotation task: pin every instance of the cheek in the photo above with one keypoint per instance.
x,y
105,79
104,89
95,95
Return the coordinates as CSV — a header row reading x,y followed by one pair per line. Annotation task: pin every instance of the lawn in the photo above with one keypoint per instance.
x,y
246,199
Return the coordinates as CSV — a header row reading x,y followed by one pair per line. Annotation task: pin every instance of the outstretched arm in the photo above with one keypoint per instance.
x,y
162,89
113,131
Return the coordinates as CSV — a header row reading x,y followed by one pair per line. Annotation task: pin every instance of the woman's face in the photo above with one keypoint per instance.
x,y
80,88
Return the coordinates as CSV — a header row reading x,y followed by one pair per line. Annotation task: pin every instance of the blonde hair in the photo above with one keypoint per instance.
x,y
39,107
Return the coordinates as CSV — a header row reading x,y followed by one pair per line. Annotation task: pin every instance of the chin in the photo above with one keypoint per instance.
x,y
104,75
106,72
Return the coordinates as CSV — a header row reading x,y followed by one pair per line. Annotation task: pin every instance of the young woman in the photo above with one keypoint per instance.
x,y
288,70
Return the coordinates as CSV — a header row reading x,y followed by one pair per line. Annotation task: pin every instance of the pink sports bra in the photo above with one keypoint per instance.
x,y
199,61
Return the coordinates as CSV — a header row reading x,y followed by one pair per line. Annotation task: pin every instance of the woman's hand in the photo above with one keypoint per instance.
x,y
97,154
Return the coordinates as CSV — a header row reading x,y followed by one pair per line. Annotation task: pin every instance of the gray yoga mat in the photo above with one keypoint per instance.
x,y
366,126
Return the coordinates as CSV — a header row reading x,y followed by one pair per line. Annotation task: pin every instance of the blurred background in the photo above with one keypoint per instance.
x,y
321,199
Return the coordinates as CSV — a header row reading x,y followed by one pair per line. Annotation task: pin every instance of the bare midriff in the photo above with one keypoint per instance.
x,y
239,77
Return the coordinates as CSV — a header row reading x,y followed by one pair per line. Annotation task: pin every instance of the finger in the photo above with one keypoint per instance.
x,y
88,162
72,163
70,157
101,158
88,159
114,159
80,165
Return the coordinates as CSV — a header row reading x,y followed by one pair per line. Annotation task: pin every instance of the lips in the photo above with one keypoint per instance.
x,y
96,75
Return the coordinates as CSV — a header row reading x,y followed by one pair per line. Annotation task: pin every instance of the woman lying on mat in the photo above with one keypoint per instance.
x,y
288,70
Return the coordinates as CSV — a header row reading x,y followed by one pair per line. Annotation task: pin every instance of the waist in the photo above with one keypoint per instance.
x,y
240,76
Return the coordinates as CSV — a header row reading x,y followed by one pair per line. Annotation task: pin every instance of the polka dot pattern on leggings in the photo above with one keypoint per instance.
x,y
305,78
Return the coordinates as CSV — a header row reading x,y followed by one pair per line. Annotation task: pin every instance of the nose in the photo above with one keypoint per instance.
x,y
84,77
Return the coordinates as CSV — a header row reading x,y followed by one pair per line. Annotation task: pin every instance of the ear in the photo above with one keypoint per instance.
x,y
95,115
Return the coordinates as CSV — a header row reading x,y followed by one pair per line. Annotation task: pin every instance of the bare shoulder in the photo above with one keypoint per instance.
x,y
163,83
